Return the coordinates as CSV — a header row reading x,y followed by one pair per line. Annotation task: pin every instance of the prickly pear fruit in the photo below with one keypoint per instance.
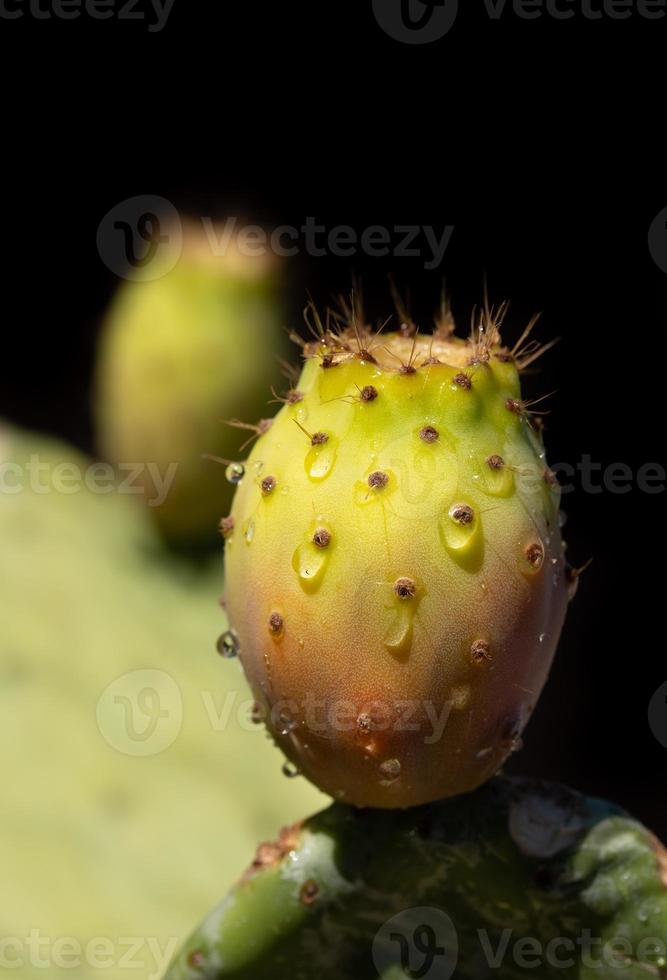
x,y
180,353
395,572
516,867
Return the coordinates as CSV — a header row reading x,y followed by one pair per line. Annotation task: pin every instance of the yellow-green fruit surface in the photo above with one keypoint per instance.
x,y
395,573
180,355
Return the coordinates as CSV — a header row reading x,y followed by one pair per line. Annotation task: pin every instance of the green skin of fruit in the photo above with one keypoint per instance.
x,y
397,631
514,861
180,355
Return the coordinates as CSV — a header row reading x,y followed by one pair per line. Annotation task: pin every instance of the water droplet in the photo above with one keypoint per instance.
x,y
405,601
493,476
235,472
258,466
285,724
228,645
398,638
249,530
460,531
542,637
310,561
390,770
516,744
284,491
290,770
320,459
562,518
482,754
511,737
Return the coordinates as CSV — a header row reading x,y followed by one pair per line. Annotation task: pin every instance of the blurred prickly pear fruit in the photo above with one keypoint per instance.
x,y
395,571
179,354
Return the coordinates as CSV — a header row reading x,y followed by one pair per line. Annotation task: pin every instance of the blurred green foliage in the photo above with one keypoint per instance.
x,y
96,839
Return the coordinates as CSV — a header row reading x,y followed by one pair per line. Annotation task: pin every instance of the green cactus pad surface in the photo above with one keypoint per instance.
x,y
517,879
110,829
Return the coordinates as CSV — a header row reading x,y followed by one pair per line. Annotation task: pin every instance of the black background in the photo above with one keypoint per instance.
x,y
538,140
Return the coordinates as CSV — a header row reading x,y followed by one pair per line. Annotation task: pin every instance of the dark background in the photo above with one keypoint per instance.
x,y
540,141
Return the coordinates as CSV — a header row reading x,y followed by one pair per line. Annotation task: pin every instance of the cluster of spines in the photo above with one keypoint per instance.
x,y
344,334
